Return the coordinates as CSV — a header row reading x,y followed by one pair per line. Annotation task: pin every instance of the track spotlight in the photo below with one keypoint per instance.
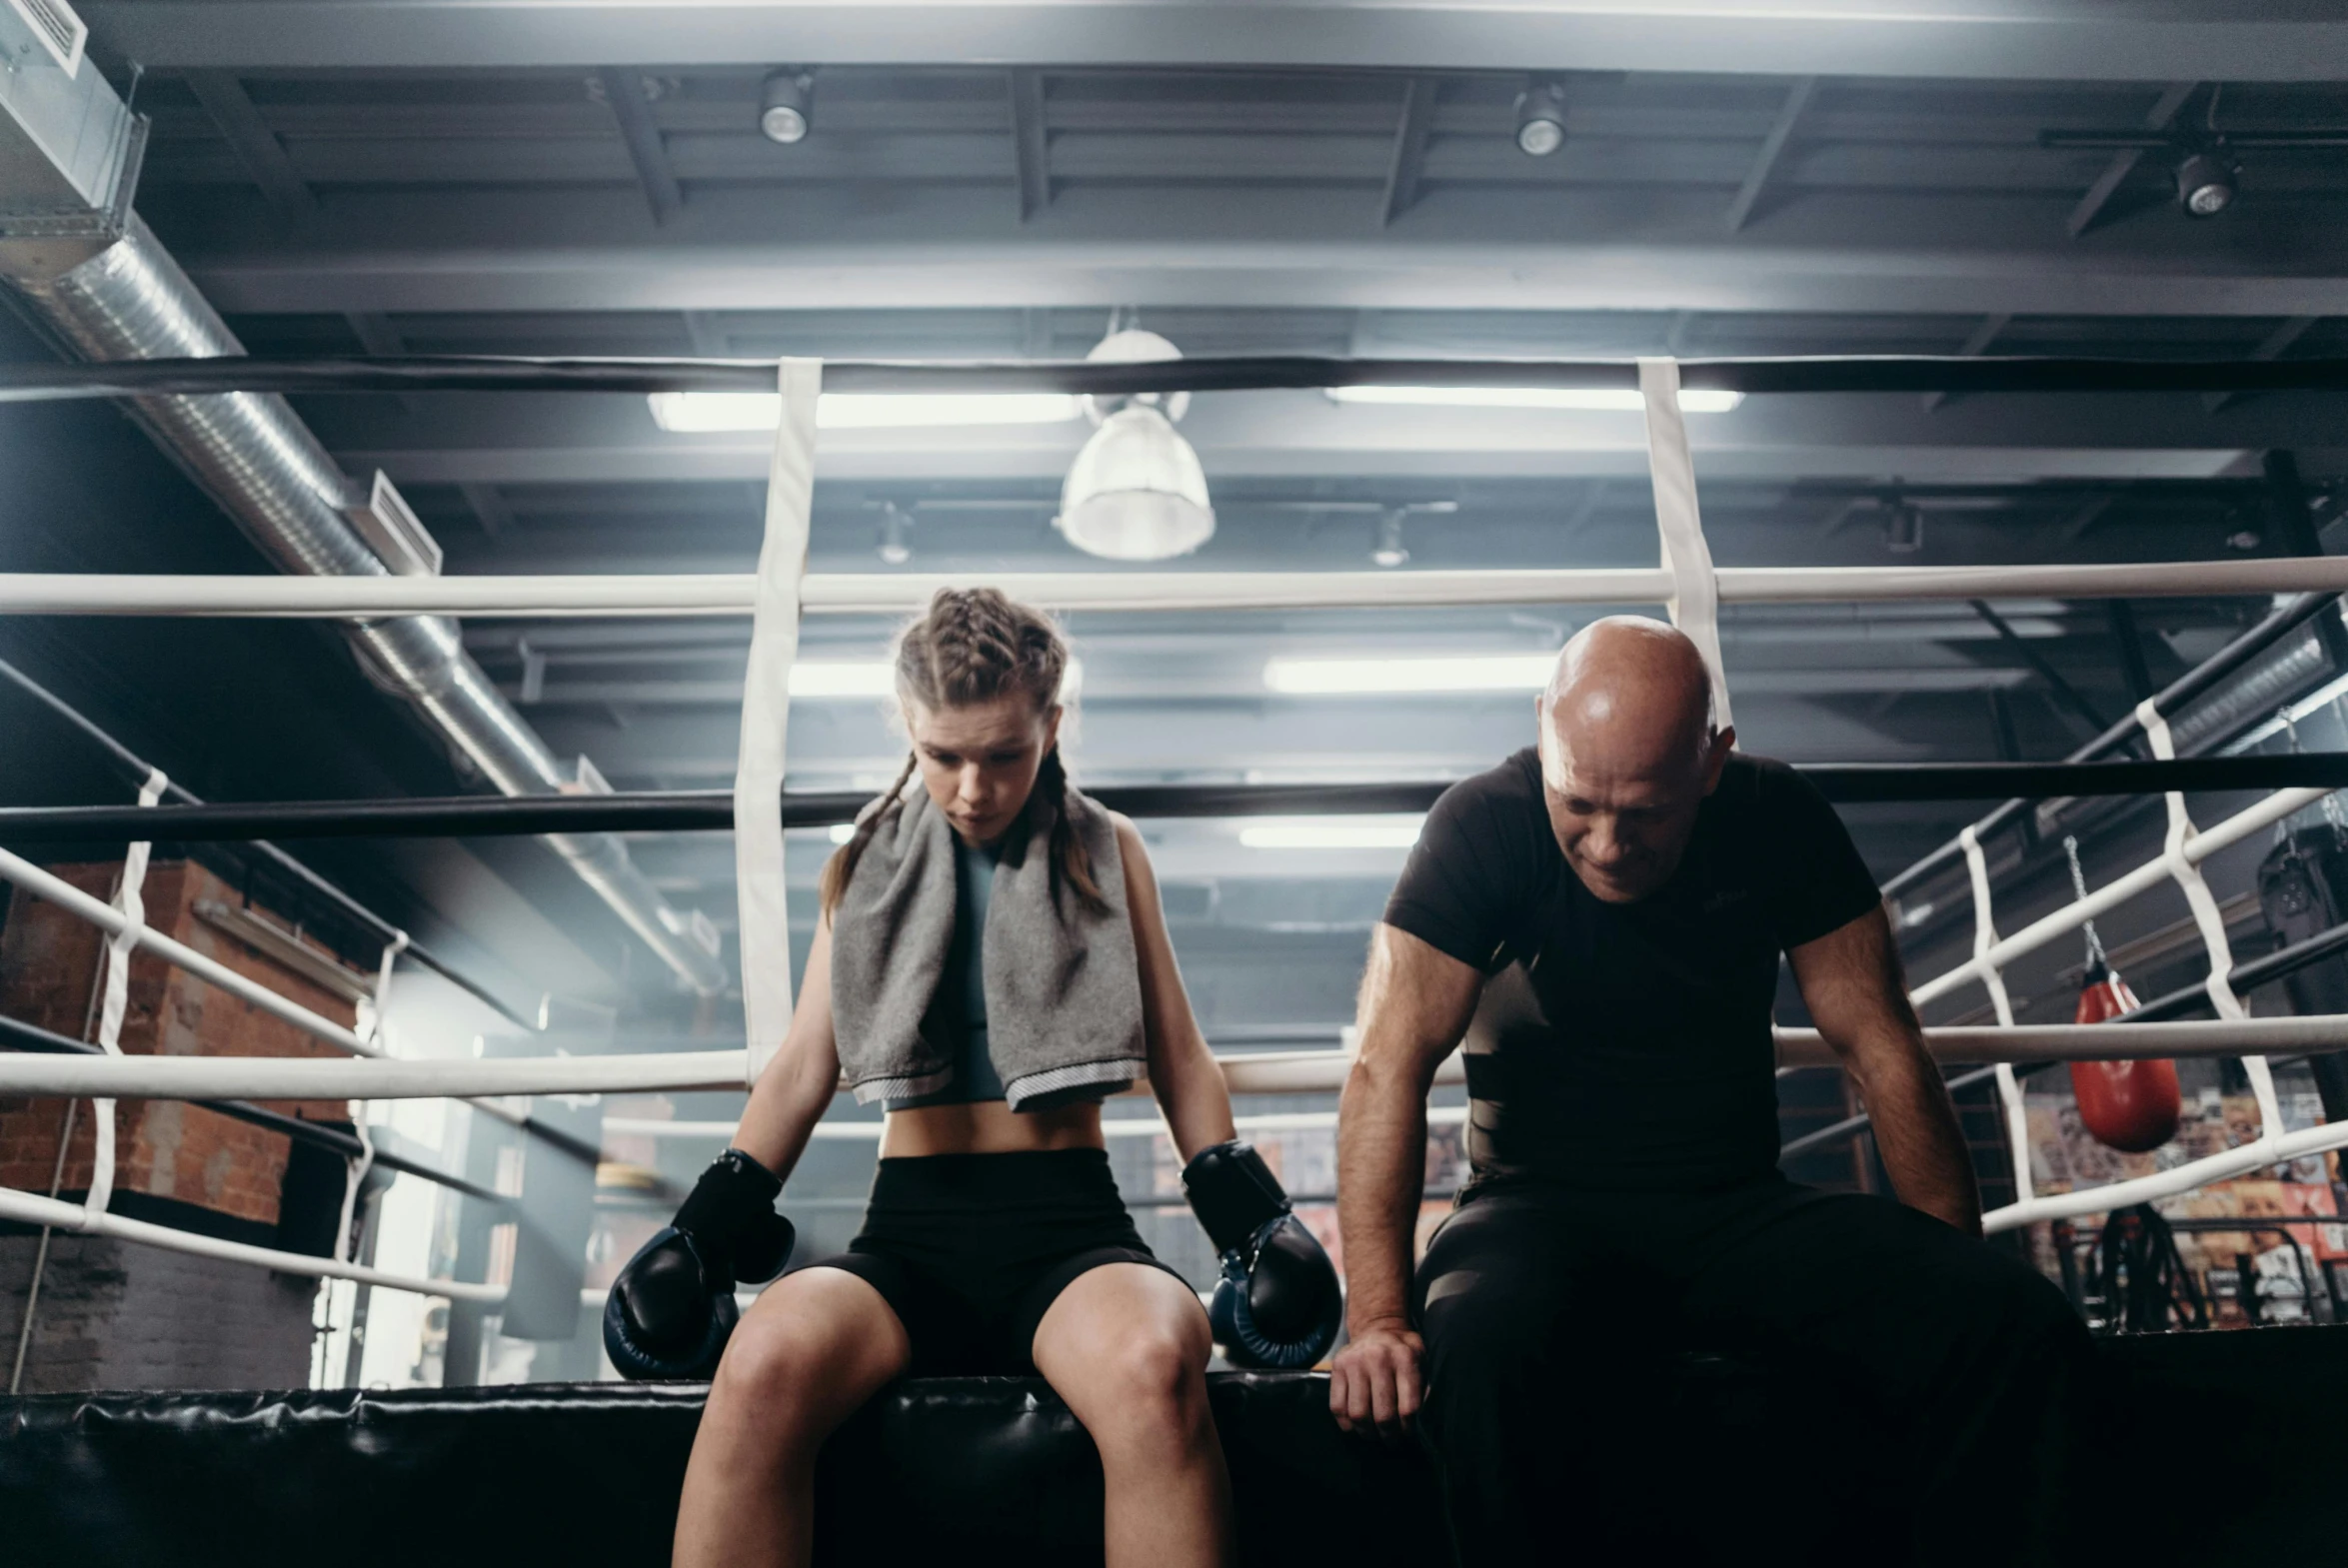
x,y
783,106
1389,550
1540,119
2207,179
1137,491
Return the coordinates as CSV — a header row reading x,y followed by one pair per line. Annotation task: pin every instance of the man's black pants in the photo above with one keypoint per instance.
x,y
1548,1313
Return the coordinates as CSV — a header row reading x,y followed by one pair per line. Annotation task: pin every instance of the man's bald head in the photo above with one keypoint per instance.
x,y
1635,682
1628,752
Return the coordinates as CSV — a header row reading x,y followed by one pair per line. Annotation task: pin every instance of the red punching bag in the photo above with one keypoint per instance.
x,y
2131,1106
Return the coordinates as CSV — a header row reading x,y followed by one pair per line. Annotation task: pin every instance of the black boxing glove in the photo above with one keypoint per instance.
x,y
672,1308
1279,1304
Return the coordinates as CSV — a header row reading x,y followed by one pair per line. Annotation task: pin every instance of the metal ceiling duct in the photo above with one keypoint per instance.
x,y
92,273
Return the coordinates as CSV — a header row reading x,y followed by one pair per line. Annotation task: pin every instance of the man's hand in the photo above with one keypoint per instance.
x,y
1851,981
1373,1383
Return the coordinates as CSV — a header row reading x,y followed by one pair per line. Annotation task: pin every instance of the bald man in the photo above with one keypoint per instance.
x,y
1625,1200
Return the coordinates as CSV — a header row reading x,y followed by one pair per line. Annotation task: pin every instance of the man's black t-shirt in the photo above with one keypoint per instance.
x,y
1650,1065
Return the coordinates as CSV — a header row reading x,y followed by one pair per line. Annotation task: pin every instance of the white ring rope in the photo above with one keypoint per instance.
x,y
31,1209
15,868
891,594
1266,1073
765,922
2112,894
1111,1126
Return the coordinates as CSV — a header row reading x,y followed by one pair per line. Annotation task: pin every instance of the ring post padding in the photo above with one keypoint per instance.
x,y
1694,602
766,715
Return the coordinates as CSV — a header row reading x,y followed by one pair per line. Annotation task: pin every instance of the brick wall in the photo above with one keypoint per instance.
x,y
115,1314
50,968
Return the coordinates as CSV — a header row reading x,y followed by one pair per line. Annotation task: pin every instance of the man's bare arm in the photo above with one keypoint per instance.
x,y
1851,981
1415,1005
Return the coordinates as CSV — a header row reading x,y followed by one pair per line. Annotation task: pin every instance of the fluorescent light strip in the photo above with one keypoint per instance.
x,y
702,412
1440,672
1693,400
842,677
1330,832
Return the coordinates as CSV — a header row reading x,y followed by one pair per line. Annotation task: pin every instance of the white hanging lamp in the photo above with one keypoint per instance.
x,y
1137,491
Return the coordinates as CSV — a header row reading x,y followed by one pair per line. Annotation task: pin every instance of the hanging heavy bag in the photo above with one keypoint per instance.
x,y
2131,1106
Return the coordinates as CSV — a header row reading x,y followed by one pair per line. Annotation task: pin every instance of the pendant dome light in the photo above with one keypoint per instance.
x,y
1136,492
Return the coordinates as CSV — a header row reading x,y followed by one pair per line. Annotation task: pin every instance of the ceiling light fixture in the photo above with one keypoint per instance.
x,y
895,548
1903,529
1137,491
1540,119
1625,400
702,412
2208,179
1434,672
786,106
1332,833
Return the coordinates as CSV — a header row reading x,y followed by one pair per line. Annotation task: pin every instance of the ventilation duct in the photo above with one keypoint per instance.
x,y
105,288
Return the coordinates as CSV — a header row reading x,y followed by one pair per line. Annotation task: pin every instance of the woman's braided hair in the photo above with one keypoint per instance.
x,y
974,646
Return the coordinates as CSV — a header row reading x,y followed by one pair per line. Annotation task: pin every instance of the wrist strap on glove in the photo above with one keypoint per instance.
x,y
731,1212
1233,1193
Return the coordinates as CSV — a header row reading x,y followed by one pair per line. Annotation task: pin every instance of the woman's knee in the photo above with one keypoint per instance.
x,y
1145,1390
797,1369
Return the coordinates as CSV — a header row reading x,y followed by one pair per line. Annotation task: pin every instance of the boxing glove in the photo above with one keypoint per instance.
x,y
1277,1303
672,1308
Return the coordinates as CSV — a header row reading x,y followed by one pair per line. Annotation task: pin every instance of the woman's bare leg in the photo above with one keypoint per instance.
x,y
1126,1346
815,1347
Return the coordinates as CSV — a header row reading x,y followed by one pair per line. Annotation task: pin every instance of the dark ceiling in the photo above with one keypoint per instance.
x,y
355,191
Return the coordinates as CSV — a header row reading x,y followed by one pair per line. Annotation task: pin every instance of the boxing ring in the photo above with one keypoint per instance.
x,y
1686,582
948,1465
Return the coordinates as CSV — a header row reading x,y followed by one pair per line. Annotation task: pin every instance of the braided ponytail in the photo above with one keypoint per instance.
x,y
831,886
973,646
1072,863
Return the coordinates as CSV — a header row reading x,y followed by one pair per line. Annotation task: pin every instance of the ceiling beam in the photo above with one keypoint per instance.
x,y
489,509
2123,163
1410,158
1756,179
1030,141
2041,40
839,246
509,439
2273,347
1984,333
624,95
256,146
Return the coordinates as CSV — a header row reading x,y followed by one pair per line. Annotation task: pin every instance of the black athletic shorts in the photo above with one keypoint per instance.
x,y
971,1250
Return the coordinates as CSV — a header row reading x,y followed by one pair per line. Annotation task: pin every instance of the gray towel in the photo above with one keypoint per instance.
x,y
1063,991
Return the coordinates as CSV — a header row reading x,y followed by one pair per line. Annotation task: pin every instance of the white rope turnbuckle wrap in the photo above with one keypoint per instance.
x,y
2187,875
370,1019
2009,1088
128,904
1694,600
766,715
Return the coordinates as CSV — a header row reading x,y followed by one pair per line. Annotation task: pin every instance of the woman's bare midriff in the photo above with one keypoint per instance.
x,y
989,1127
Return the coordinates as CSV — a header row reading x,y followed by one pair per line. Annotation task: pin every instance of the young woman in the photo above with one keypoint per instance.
x,y
991,960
